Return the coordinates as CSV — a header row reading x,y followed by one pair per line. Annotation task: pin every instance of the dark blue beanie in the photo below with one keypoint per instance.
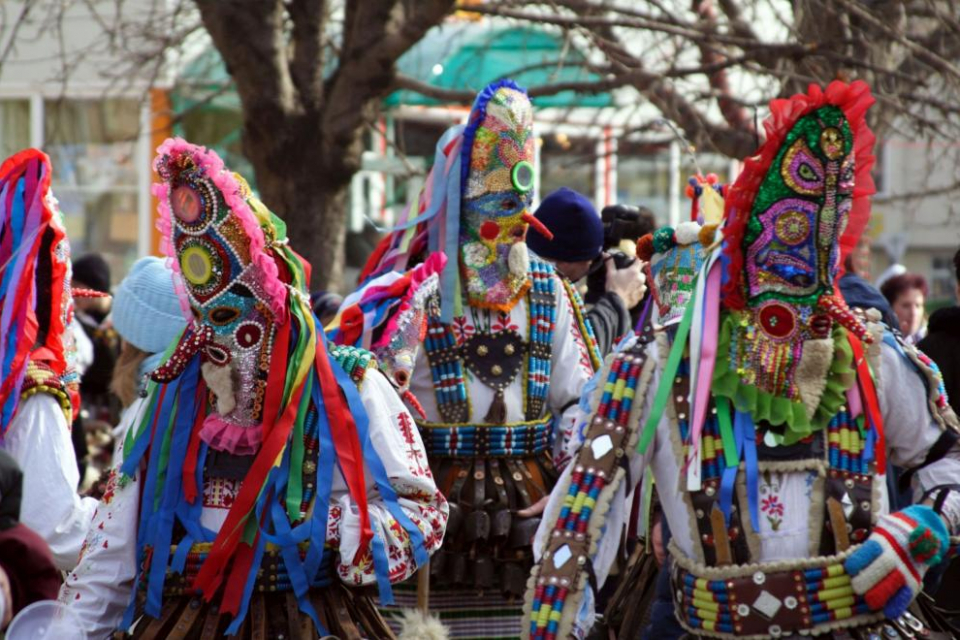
x,y
575,224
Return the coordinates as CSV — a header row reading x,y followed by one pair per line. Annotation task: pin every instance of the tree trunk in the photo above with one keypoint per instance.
x,y
306,187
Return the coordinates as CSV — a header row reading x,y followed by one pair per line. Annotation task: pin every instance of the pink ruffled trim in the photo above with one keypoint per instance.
x,y
224,436
210,162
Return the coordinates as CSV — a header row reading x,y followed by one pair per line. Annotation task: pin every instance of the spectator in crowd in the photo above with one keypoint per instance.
x,y
147,318
942,342
575,248
906,294
27,571
92,272
857,291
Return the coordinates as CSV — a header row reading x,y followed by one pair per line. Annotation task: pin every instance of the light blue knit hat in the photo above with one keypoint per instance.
x,y
146,310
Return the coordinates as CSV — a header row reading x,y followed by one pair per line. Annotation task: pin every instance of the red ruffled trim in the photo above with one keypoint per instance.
x,y
854,100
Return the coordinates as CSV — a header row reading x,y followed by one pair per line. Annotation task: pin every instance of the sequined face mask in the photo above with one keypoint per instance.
x,y
234,321
800,211
496,198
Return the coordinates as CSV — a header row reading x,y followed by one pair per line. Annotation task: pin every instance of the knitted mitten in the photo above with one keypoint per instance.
x,y
888,568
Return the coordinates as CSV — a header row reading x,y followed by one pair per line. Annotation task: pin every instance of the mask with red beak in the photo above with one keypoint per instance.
x,y
498,176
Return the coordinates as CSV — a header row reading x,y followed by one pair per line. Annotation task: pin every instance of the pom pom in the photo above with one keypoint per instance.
x,y
689,191
712,178
663,240
707,234
645,247
687,233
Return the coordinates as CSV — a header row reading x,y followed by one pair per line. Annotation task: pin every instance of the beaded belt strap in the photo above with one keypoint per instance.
x,y
553,598
516,440
272,575
812,594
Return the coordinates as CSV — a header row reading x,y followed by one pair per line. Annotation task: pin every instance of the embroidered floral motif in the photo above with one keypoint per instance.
x,y
462,329
417,460
770,503
219,493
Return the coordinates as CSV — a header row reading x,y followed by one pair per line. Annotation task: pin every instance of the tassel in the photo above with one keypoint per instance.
x,y
497,414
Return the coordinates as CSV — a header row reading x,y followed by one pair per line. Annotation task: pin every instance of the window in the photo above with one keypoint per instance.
x,y
92,145
14,126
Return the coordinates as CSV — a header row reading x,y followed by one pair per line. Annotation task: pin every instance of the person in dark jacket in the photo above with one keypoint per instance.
x,y
577,243
943,343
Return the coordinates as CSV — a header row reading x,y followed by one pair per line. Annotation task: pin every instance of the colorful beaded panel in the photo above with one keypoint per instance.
x,y
800,211
444,353
542,318
497,192
480,441
674,273
219,248
584,326
767,603
559,577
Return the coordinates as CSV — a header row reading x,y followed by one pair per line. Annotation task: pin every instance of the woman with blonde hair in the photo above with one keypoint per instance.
x,y
147,315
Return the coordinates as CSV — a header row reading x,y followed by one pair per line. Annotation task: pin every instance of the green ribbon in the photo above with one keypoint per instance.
x,y
294,496
730,453
669,373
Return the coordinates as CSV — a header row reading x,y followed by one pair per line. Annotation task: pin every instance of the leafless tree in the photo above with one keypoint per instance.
x,y
311,74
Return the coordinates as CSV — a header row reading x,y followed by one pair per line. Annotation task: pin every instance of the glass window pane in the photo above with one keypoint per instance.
x,y
92,145
14,126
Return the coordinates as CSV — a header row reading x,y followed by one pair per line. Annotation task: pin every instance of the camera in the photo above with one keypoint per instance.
x,y
620,222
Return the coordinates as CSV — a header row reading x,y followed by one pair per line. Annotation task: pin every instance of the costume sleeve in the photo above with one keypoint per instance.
x,y
395,438
570,369
610,320
39,440
99,589
916,441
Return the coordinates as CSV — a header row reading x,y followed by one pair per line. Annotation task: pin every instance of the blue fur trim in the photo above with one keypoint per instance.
x,y
477,113
863,557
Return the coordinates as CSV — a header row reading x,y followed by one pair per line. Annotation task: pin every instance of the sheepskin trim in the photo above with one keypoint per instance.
x,y
816,516
811,375
416,625
754,547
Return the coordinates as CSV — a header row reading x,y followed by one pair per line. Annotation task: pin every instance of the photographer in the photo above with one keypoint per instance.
x,y
577,251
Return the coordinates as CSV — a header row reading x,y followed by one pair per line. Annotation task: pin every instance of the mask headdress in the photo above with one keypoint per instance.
x,y
255,343
800,204
474,206
35,300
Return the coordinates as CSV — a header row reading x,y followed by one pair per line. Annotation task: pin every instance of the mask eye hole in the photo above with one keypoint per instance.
x,y
223,315
508,203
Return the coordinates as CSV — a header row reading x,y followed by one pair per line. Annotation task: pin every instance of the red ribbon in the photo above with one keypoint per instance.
x,y
869,393
347,444
193,450
211,573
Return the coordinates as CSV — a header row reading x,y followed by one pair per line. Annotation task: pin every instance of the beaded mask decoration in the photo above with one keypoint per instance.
x,y
36,303
214,231
498,177
792,215
676,257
